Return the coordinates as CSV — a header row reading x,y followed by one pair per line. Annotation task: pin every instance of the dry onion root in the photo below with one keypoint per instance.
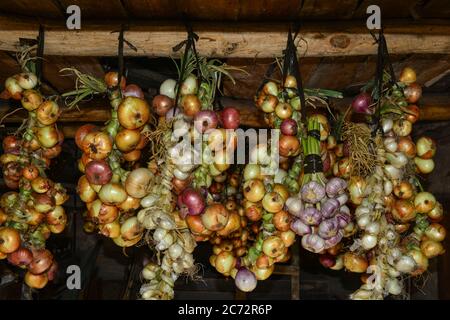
x,y
28,217
397,221
112,192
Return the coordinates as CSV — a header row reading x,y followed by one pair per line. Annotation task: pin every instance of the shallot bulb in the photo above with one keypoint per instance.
x,y
331,242
313,243
330,207
294,206
312,192
328,228
245,280
300,228
335,186
311,216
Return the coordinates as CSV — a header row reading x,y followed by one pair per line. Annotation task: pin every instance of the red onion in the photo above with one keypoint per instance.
x,y
191,200
162,104
205,120
330,207
313,243
98,172
335,186
327,260
361,104
300,228
289,127
245,280
230,118
311,216
328,228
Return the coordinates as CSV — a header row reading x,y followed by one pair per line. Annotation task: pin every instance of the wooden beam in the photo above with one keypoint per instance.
x,y
432,108
228,39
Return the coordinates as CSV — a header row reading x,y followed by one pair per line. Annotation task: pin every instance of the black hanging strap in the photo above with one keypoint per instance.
x,y
120,56
188,44
40,52
291,66
383,63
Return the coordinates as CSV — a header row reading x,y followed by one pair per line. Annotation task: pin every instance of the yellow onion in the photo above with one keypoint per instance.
x,y
263,274
436,232
424,202
111,229
273,246
127,243
421,261
356,188
137,182
431,248
424,166
355,263
112,193
215,217
225,261
131,229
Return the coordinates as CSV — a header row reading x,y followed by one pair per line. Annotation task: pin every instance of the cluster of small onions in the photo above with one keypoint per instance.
x,y
321,216
398,225
28,217
111,193
264,207
281,107
231,243
200,214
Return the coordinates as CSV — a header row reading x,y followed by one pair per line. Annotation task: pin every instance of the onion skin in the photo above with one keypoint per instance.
x,y
273,246
362,102
9,240
230,118
215,217
245,280
21,257
97,145
133,112
355,263
403,211
426,148
137,182
42,260
112,194
133,90
98,172
161,104
36,281
127,140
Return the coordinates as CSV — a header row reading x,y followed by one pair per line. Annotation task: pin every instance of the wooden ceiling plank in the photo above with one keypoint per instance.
x,y
229,40
111,9
152,9
317,9
32,8
389,9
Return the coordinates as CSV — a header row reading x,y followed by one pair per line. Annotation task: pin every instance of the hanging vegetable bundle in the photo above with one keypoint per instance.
x,y
397,221
190,156
33,210
113,184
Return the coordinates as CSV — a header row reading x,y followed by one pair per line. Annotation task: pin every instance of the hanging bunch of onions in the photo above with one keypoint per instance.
x,y
397,222
319,211
194,144
113,194
33,210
